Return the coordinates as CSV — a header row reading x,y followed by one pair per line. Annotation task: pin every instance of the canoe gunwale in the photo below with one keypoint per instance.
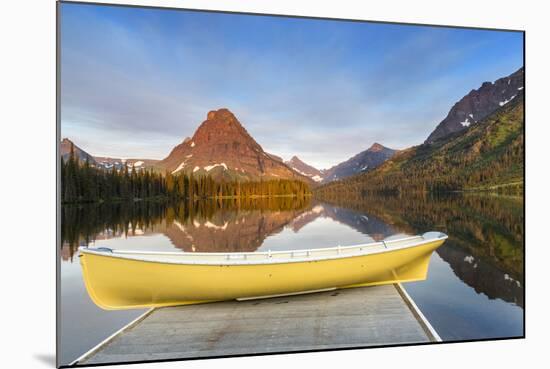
x,y
235,259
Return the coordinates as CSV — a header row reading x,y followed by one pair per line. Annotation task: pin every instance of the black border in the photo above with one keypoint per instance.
x,y
58,184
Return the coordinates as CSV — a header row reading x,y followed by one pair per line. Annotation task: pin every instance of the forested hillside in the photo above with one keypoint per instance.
x,y
80,182
487,156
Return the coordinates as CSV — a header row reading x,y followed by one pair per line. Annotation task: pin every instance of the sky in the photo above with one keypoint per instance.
x,y
135,81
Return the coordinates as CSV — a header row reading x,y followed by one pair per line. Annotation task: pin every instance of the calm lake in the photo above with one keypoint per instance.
x,y
474,288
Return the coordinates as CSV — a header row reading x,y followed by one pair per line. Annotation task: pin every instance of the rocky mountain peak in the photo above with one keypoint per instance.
x,y
376,147
295,160
305,169
478,104
221,147
221,126
366,160
221,114
485,85
65,147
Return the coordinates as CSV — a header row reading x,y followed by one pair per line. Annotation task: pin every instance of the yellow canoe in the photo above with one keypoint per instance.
x,y
119,279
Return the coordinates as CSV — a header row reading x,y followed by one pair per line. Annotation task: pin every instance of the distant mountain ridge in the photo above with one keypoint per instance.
x,y
102,162
118,163
184,159
79,154
366,160
478,104
305,169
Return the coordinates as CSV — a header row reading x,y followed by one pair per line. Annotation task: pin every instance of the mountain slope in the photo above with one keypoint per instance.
x,y
364,161
478,104
81,155
305,169
489,155
222,148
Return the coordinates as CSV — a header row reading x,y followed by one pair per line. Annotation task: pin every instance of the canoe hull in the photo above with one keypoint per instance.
x,y
118,283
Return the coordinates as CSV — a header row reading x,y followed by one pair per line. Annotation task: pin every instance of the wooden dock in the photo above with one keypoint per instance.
x,y
356,317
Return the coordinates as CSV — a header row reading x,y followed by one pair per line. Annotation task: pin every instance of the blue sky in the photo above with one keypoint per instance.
x,y
135,82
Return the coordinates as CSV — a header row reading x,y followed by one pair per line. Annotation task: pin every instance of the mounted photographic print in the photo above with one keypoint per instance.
x,y
242,184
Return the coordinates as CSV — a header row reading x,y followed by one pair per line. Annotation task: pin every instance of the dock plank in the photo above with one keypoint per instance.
x,y
357,317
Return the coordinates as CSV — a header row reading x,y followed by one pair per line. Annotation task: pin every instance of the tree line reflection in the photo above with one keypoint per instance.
x,y
485,248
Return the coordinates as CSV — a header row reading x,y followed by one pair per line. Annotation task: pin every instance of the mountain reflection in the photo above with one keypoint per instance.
x,y
228,225
484,249
228,230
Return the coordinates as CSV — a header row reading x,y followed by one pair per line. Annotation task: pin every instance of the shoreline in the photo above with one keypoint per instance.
x,y
170,199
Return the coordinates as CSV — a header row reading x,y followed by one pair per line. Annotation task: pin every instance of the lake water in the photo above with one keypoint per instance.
x,y
474,288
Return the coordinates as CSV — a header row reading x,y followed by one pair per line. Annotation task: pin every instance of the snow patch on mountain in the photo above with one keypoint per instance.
x,y
299,171
502,103
180,167
318,209
213,226
208,168
466,123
